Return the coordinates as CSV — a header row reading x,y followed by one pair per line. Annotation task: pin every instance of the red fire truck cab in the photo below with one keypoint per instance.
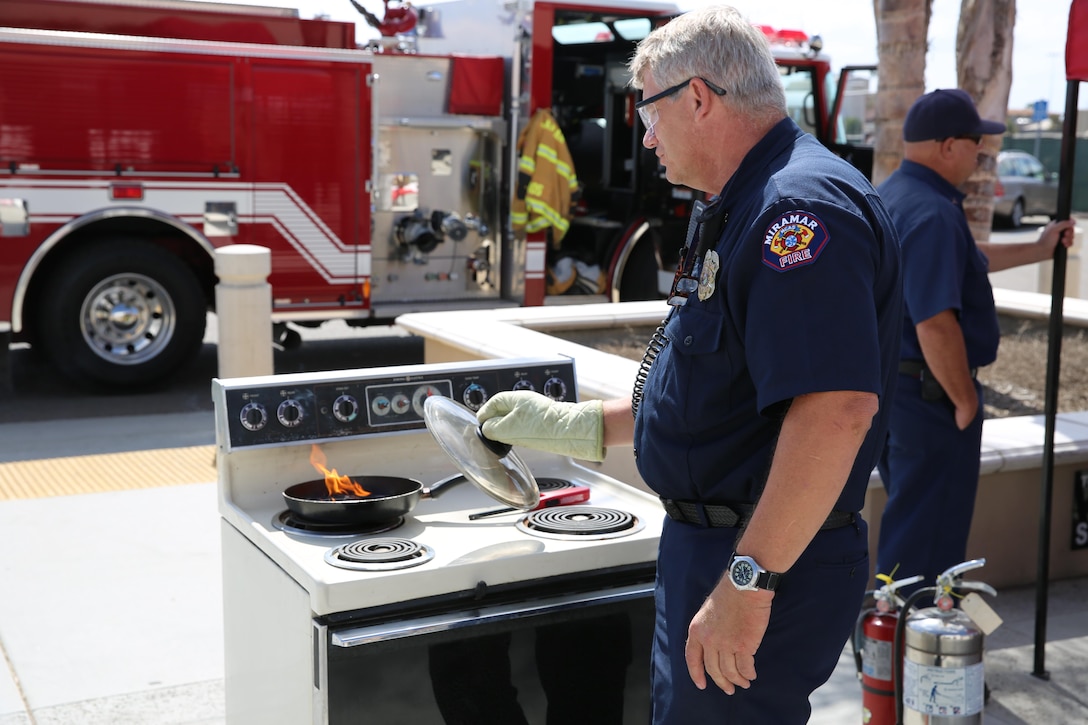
x,y
136,139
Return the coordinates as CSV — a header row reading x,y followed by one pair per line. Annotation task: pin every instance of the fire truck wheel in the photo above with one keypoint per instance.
x,y
129,314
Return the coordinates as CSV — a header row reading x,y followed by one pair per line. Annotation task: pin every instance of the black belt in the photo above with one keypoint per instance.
x,y
734,515
919,370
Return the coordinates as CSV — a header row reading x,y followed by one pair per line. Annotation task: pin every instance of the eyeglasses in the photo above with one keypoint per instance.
x,y
647,108
683,284
686,279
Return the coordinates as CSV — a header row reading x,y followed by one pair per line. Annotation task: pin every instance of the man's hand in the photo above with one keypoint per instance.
x,y
1056,233
525,418
966,412
724,635
1006,256
945,352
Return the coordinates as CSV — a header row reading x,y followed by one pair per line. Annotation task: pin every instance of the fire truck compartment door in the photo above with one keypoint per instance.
x,y
308,146
100,116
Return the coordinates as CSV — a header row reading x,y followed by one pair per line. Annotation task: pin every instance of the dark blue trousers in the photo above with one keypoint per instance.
x,y
812,615
930,470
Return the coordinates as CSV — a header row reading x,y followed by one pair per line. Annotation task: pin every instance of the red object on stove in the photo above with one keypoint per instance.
x,y
569,494
574,493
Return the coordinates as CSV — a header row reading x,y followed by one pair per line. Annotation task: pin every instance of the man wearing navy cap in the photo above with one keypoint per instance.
x,y
930,466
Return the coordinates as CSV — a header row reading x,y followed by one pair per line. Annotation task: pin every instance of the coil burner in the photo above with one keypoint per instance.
x,y
385,554
289,523
553,484
580,523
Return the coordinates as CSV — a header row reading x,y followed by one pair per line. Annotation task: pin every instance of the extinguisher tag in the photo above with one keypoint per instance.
x,y
943,691
981,613
876,659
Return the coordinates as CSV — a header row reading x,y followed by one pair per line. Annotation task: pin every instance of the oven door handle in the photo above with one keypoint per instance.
x,y
370,634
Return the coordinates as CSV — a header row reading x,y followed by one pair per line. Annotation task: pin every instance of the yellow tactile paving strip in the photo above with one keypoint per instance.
x,y
107,472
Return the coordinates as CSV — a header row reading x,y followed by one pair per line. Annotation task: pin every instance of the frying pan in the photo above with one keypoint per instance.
x,y
390,498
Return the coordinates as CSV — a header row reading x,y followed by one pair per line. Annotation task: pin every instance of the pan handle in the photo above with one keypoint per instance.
x,y
441,485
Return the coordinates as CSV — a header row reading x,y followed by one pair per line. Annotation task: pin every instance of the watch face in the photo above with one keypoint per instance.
x,y
743,574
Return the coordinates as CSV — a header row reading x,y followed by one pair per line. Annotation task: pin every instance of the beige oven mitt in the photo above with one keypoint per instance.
x,y
527,418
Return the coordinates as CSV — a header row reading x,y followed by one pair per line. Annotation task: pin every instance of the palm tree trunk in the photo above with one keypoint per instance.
x,y
902,27
984,70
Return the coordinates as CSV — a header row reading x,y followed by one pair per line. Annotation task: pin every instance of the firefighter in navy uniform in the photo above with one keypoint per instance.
x,y
930,467
758,422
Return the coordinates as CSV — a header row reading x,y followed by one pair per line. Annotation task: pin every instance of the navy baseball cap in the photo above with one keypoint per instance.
x,y
944,114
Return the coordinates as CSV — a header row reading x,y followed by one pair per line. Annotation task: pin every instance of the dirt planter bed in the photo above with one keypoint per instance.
x,y
1013,385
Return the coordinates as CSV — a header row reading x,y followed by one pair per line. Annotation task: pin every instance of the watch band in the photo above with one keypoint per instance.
x,y
767,580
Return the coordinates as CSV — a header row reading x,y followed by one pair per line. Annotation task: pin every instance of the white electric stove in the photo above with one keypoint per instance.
x,y
311,606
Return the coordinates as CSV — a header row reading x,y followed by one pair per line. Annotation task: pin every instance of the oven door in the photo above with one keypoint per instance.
x,y
570,658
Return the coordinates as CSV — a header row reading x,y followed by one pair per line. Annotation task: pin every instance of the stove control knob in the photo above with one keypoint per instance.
x,y
401,404
474,396
380,405
289,413
419,398
555,389
253,416
523,384
345,408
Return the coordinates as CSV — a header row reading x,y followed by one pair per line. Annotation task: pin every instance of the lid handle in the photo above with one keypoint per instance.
x,y
499,448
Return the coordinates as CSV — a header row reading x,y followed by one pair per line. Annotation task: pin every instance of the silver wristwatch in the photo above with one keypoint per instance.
x,y
748,576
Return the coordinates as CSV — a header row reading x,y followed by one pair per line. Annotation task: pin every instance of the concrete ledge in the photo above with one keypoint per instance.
x,y
1007,511
519,332
1036,306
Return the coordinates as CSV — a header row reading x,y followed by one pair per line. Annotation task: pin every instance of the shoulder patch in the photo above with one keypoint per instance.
x,y
793,240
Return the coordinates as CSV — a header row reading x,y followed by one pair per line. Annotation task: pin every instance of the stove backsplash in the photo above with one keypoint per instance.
x,y
323,406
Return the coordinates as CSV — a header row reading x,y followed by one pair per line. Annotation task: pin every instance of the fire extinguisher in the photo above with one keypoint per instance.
x,y
941,677
873,642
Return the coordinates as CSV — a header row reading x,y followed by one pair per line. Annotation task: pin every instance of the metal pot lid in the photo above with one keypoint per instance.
x,y
491,465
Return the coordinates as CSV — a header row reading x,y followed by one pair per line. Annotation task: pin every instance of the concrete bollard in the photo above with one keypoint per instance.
x,y
243,304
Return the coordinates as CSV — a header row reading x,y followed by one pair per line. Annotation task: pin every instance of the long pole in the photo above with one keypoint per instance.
x,y
1053,369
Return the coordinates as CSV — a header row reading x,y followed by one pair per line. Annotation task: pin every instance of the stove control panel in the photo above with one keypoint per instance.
x,y
310,407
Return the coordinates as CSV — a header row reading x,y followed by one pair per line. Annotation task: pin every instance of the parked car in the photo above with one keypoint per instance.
x,y
1024,188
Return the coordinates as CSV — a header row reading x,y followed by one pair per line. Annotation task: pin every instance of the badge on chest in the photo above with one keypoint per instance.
x,y
708,276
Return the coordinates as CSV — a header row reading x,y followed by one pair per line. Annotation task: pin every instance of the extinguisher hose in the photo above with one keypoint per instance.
x,y
858,628
897,648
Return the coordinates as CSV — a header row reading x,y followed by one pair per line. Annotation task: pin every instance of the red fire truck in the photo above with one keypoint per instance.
x,y
137,138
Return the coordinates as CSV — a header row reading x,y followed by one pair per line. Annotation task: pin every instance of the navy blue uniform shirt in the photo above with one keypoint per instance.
x,y
943,268
807,299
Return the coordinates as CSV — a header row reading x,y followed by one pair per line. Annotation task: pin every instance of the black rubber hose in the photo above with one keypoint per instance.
x,y
865,611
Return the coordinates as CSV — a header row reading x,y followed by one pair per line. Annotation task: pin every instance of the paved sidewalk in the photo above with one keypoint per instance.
x,y
110,611
111,614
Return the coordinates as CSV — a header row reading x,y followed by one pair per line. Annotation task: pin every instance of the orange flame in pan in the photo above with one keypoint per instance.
x,y
334,482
